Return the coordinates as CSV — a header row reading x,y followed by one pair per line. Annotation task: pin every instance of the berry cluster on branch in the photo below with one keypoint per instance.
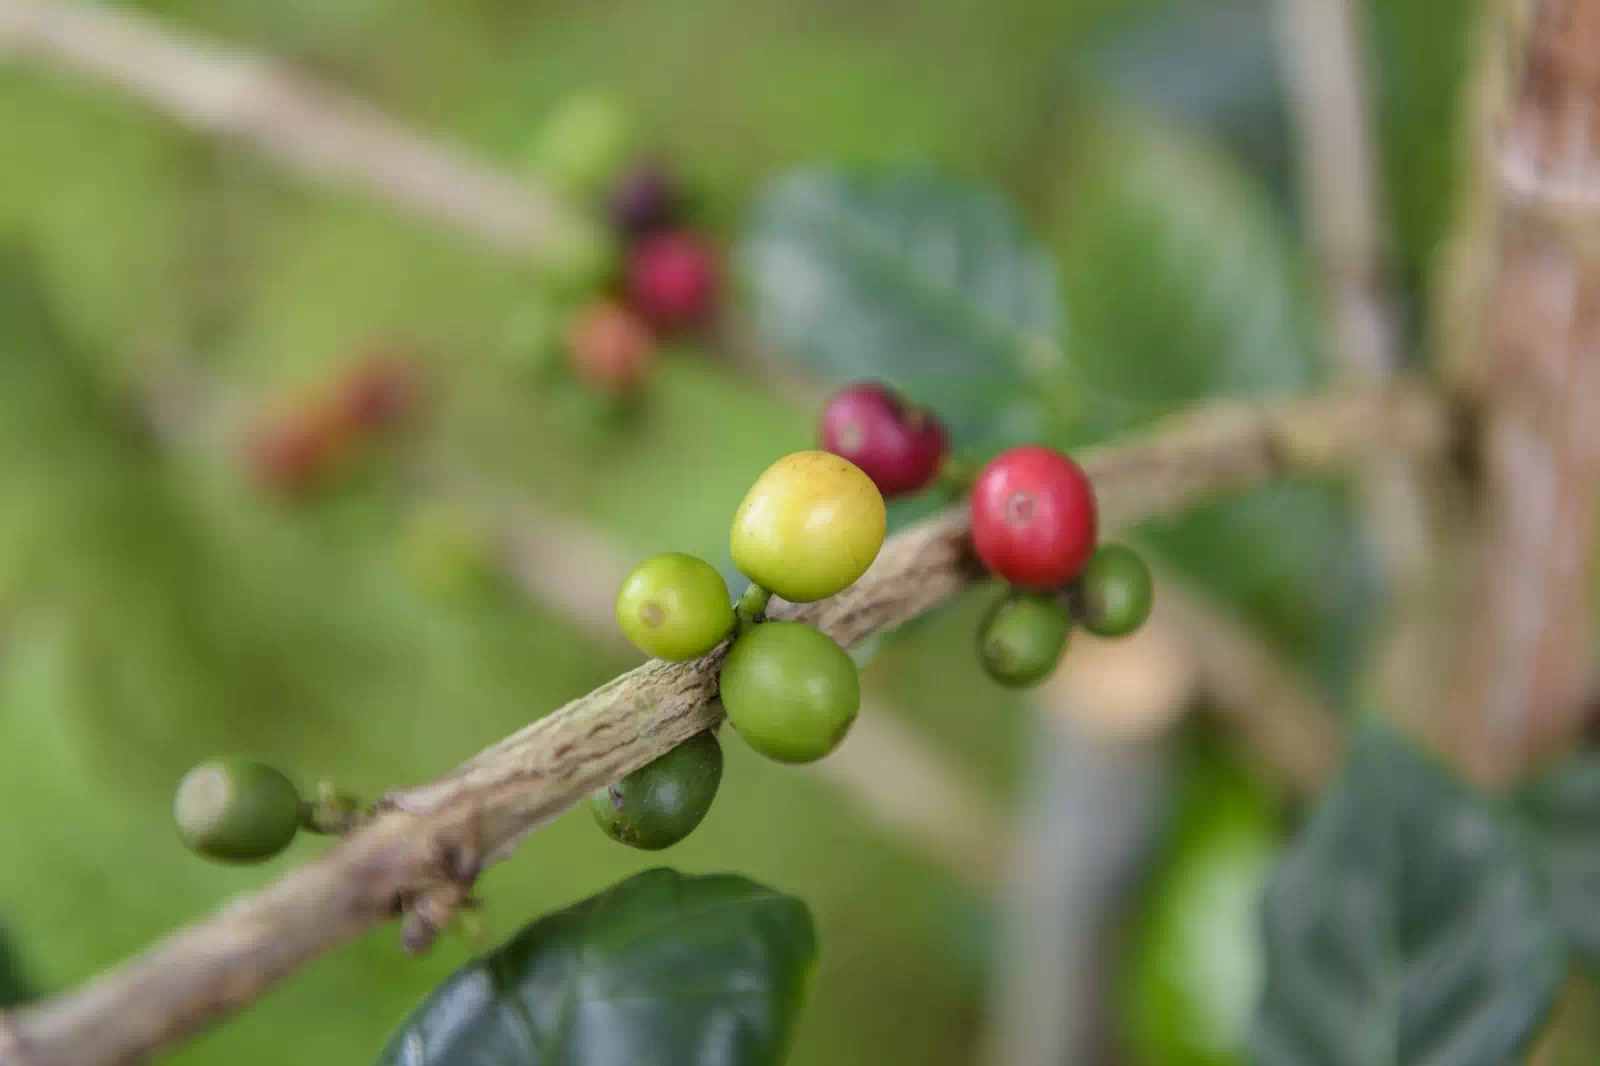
x,y
417,853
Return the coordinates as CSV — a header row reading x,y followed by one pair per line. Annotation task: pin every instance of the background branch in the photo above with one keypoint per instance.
x,y
1529,363
422,851
313,130
1321,44
319,132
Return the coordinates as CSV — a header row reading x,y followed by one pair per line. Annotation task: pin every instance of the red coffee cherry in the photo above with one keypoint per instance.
x,y
378,393
609,347
294,451
672,279
898,445
1033,518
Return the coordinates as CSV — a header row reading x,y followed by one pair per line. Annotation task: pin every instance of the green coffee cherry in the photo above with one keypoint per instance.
x,y
531,344
661,803
810,525
236,810
674,606
583,145
1115,591
446,552
1021,639
578,260
790,691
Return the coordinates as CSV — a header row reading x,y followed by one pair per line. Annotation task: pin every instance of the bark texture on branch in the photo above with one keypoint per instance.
x,y
420,854
1531,370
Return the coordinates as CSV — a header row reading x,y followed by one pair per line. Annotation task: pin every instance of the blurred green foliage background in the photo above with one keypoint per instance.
x,y
154,610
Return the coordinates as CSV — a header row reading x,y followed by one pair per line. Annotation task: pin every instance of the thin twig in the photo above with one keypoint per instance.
x,y
313,130
1321,47
1338,178
422,851
319,132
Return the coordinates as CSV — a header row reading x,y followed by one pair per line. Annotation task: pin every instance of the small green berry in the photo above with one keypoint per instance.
x,y
578,260
583,144
531,342
790,691
1116,591
674,606
1021,639
661,803
236,810
446,552
809,527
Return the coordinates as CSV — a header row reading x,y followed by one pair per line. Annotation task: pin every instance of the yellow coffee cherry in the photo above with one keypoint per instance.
x,y
809,527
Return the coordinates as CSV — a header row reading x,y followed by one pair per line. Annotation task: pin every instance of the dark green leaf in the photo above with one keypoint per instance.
x,y
1186,288
662,968
14,987
1562,810
908,277
1408,925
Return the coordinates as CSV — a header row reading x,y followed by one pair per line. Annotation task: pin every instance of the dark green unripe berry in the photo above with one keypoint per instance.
x,y
1021,639
1115,591
659,804
790,691
236,810
674,606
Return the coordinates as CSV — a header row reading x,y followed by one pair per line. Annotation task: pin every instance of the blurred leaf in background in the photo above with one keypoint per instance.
x,y
1186,286
1408,924
1561,810
908,277
1210,68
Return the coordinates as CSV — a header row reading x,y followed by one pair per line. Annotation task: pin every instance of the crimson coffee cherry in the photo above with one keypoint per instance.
x,y
378,393
1033,518
609,347
1115,591
236,810
672,279
661,803
898,445
293,452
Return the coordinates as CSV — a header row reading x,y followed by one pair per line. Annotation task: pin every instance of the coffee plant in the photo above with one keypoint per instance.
x,y
1133,422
